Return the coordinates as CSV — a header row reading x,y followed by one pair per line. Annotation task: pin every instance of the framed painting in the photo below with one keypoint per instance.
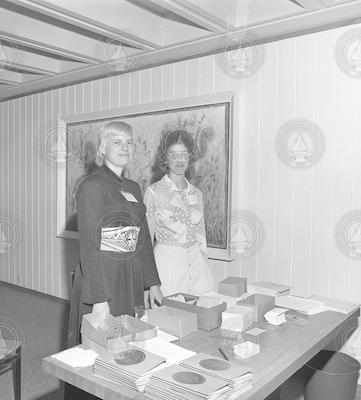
x,y
208,118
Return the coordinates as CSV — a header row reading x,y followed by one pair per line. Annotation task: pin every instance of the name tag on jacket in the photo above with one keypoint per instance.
x,y
129,197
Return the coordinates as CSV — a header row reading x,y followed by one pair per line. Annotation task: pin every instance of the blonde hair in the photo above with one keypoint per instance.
x,y
109,129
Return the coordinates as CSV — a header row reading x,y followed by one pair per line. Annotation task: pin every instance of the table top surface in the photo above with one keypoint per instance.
x,y
284,350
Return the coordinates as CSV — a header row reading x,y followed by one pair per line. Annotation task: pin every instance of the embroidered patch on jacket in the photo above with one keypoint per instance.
x,y
120,239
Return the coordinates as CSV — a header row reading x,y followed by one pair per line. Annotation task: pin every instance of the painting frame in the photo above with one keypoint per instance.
x,y
190,103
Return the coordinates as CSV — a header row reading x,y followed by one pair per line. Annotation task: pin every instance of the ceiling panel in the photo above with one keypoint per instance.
x,y
135,18
239,13
19,25
52,43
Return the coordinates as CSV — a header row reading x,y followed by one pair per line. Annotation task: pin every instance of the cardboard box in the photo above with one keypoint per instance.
x,y
261,303
128,328
140,330
237,318
173,320
207,318
233,286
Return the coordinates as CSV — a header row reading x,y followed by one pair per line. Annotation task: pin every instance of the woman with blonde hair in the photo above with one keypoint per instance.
x,y
117,262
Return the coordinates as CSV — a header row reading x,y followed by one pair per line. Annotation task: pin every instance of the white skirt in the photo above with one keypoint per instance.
x,y
182,270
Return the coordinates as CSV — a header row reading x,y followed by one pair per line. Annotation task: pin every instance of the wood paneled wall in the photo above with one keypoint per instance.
x,y
299,209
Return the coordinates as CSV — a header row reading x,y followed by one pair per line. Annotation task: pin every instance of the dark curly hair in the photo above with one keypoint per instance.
x,y
169,139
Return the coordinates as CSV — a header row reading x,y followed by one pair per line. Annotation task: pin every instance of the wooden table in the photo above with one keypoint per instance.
x,y
284,350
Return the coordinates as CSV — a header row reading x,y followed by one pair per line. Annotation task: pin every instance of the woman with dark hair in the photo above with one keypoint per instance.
x,y
176,221
117,261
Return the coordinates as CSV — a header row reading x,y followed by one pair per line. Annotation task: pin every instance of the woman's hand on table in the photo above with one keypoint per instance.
x,y
101,314
155,296
146,299
101,308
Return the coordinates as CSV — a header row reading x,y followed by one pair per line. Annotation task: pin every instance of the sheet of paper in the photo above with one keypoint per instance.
x,y
171,352
276,316
300,304
336,304
208,302
166,336
76,357
256,331
268,288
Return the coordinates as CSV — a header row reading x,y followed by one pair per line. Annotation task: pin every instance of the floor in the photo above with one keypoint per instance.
x,y
40,323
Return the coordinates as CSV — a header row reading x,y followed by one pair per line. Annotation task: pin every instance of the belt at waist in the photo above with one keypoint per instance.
x,y
119,239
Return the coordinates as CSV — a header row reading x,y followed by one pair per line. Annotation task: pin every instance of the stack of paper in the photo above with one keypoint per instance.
x,y
180,383
246,349
238,376
269,288
237,318
301,304
131,368
341,306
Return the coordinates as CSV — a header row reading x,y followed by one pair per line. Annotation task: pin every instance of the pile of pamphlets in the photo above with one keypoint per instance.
x,y
131,368
181,383
238,376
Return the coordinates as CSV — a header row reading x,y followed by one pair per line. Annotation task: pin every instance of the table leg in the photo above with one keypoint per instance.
x,y
17,375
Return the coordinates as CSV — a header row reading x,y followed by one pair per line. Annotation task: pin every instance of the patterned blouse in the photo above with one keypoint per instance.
x,y
175,216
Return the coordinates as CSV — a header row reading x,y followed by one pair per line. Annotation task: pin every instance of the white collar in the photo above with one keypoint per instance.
x,y
173,187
